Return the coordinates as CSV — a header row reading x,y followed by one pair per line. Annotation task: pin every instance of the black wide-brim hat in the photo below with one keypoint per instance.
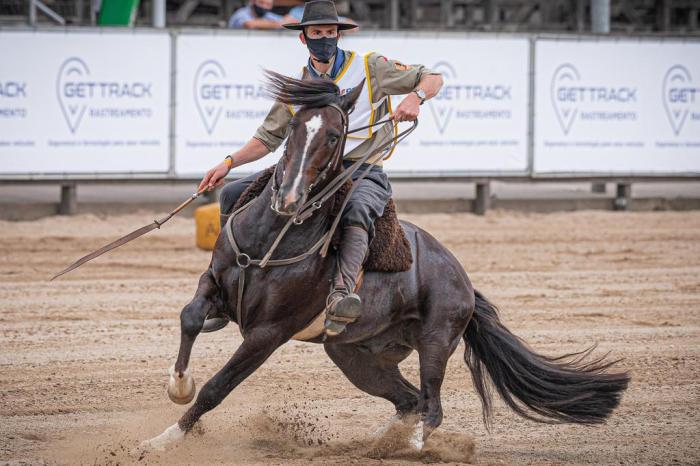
x,y
320,12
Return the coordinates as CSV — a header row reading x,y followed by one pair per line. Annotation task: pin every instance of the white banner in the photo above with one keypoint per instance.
x,y
84,102
617,107
220,101
477,123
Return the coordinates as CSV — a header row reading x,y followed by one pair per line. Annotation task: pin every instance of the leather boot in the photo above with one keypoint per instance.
x,y
344,306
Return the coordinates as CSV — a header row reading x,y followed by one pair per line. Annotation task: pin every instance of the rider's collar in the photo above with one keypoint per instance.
x,y
336,64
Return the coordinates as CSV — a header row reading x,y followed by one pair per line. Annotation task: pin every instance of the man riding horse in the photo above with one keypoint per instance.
x,y
429,307
383,78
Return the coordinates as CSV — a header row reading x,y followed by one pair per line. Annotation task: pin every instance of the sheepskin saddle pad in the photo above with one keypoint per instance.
x,y
389,250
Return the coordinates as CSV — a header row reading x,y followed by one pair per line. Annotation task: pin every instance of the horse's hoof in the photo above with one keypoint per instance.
x,y
417,439
181,387
214,324
171,435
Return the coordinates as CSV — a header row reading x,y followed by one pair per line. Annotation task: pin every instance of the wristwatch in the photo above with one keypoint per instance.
x,y
421,95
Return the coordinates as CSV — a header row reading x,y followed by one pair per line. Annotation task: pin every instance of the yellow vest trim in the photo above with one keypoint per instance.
x,y
396,132
345,67
371,105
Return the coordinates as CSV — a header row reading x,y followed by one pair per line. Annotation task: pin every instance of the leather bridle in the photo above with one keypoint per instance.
x,y
333,161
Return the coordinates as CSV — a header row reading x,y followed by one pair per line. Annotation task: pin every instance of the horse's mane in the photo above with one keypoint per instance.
x,y
304,93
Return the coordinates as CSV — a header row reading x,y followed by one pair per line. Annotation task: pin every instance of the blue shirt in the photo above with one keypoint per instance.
x,y
245,14
337,64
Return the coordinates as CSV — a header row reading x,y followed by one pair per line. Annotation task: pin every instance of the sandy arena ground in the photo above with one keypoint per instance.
x,y
83,360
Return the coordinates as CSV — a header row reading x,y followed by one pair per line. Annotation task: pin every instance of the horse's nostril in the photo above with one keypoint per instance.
x,y
289,204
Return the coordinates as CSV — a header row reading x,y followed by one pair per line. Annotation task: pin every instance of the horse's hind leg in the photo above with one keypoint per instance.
x,y
377,374
181,388
435,346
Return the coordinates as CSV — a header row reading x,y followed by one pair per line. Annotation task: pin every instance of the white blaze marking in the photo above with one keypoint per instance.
x,y
312,127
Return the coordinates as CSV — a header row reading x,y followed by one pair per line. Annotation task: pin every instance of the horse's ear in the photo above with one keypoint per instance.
x,y
347,102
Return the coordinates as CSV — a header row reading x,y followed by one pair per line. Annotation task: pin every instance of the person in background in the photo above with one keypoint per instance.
x,y
258,15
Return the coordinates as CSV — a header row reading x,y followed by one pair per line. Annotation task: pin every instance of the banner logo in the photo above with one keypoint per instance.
x,y
208,77
73,108
442,113
80,96
678,96
564,75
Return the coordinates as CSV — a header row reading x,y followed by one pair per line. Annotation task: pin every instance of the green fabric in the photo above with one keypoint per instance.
x,y
118,12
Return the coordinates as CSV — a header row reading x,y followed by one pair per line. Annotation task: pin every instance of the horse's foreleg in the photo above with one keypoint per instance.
x,y
258,345
181,387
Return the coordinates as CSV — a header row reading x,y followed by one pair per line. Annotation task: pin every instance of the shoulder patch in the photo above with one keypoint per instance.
x,y
401,67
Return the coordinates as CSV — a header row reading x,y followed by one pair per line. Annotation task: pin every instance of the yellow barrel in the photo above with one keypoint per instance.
x,y
208,226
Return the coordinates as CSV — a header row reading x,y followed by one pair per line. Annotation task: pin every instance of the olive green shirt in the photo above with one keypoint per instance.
x,y
387,77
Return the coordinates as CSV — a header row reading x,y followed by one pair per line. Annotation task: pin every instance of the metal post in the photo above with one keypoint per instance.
x,y
483,197
413,13
31,16
93,12
623,196
600,24
158,13
172,151
69,199
600,16
80,13
491,14
580,15
47,11
394,14
531,107
447,13
663,15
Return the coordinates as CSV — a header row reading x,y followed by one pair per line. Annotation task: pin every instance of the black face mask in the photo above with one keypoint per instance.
x,y
323,49
260,11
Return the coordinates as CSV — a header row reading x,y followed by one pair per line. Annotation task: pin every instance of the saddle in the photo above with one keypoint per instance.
x,y
389,250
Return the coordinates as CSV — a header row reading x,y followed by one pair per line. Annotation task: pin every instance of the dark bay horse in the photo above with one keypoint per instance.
x,y
429,308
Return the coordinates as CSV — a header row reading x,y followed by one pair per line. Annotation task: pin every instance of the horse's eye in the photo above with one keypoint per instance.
x,y
332,139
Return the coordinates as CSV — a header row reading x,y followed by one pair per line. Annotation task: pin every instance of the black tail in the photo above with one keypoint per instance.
x,y
543,389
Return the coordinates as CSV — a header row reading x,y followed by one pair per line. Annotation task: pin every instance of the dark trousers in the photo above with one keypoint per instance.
x,y
365,205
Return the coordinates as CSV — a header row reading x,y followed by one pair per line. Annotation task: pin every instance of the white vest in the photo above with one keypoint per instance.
x,y
354,70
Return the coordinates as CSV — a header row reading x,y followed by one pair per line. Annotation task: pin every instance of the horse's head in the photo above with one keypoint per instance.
x,y
315,139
